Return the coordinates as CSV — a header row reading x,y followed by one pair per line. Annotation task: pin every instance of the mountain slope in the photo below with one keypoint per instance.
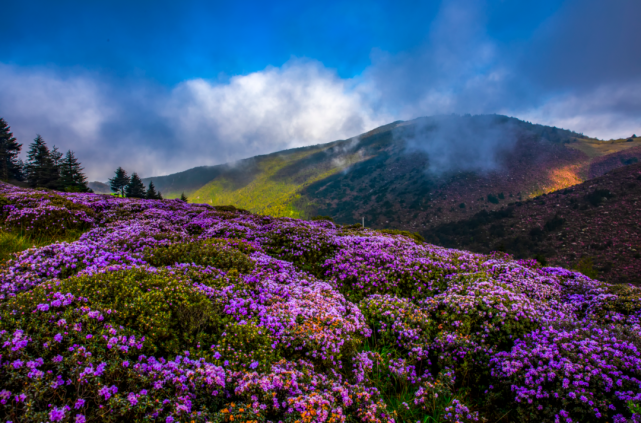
x,y
593,225
408,175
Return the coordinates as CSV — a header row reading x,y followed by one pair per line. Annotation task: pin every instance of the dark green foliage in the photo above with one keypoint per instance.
x,y
497,230
214,252
501,196
183,197
586,266
462,205
328,218
541,259
151,193
72,179
135,188
413,235
41,168
119,181
492,199
10,165
224,208
596,197
554,224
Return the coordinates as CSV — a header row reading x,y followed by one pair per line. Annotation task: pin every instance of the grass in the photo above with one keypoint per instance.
x,y
595,148
268,193
397,392
12,243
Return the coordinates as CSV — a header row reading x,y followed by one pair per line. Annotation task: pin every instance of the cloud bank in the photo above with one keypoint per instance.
x,y
553,77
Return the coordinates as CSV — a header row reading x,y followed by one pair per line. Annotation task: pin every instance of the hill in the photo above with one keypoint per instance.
x,y
594,225
408,175
99,187
159,310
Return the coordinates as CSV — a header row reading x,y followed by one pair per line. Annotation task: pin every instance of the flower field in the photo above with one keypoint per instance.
x,y
173,312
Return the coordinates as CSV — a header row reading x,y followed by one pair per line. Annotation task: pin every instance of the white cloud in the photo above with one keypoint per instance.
x,y
604,112
72,107
299,104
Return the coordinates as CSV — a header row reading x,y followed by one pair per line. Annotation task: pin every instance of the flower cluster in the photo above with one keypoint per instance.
x,y
167,311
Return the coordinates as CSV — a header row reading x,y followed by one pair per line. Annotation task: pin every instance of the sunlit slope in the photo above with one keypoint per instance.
x,y
278,180
381,177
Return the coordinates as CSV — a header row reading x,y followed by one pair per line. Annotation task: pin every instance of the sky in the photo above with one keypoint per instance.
x,y
159,87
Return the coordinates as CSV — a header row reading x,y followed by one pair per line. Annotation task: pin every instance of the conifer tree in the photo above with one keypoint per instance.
x,y
10,165
52,170
183,197
39,165
71,177
120,181
151,192
135,189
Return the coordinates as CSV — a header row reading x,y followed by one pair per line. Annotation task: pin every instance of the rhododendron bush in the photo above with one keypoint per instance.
x,y
174,312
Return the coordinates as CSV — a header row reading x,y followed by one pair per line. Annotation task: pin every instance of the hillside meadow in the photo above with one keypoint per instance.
x,y
164,311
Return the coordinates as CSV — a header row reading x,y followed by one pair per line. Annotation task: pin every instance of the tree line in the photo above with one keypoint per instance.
x,y
44,168
132,186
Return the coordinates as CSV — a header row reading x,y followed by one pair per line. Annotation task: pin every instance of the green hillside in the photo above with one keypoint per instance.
x,y
382,176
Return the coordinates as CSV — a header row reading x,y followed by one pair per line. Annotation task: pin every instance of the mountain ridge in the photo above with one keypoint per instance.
x,y
384,174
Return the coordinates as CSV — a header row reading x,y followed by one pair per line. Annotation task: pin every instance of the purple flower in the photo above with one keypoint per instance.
x,y
79,404
57,414
253,365
132,399
80,418
57,337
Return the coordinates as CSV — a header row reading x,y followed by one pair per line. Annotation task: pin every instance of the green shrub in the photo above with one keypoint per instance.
x,y
627,300
219,253
163,307
328,218
540,258
586,266
492,199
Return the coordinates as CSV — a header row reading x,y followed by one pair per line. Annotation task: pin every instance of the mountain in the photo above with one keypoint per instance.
x,y
411,175
99,187
594,226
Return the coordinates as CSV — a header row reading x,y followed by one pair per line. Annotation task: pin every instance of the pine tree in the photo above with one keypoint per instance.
x,y
135,189
183,197
10,165
39,164
151,192
120,181
52,170
71,177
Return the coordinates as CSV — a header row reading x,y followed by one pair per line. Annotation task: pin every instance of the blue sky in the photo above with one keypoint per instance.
x,y
159,86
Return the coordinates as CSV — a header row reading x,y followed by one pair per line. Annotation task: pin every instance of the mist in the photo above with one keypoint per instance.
x,y
478,57
455,143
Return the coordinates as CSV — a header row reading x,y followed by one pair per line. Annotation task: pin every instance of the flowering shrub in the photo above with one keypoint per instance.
x,y
168,311
584,371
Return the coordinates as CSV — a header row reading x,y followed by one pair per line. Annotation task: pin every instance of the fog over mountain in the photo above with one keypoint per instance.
x,y
110,93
